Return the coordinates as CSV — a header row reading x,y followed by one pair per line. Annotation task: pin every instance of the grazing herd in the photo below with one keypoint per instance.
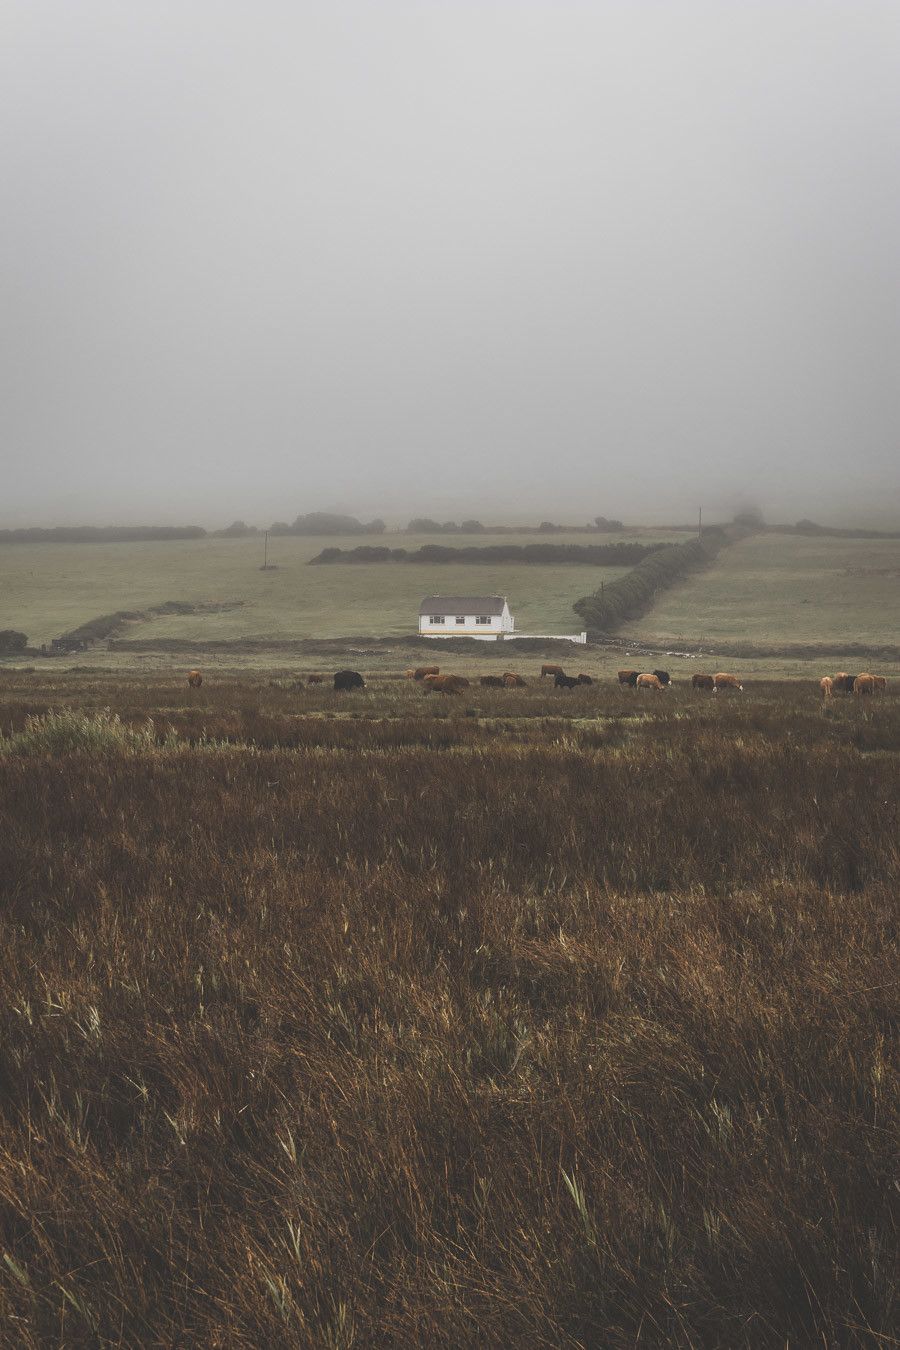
x,y
842,683
633,679
445,684
506,681
433,681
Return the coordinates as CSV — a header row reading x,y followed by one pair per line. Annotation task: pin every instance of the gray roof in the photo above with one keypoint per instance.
x,y
462,604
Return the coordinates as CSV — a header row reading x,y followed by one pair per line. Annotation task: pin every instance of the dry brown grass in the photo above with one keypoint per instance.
x,y
451,1030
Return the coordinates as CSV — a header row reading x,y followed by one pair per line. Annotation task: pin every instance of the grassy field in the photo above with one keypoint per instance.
x,y
48,589
773,589
524,1019
784,602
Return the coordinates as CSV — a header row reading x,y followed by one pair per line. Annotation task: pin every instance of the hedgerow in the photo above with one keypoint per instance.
x,y
631,595
594,555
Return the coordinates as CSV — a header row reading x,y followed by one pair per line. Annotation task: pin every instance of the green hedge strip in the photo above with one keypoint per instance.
x,y
631,595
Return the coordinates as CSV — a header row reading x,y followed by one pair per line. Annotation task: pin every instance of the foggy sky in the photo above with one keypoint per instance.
x,y
472,258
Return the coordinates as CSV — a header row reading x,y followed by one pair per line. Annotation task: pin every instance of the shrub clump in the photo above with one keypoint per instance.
x,y
69,732
12,642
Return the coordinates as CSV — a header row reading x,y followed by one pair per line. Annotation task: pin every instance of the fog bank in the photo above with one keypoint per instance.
x,y
504,260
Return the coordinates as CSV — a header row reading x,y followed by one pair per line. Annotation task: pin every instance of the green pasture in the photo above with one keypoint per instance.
x,y
49,589
768,589
773,588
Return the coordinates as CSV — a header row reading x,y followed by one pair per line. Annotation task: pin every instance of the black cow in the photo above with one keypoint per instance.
x,y
584,679
561,681
844,683
492,681
349,679
662,676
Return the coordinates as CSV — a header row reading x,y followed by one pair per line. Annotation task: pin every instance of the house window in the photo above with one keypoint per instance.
x,y
437,618
460,618
483,618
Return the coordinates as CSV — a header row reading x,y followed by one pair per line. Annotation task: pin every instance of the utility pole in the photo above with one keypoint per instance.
x,y
266,552
700,524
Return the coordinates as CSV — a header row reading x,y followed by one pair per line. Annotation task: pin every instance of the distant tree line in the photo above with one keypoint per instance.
x,y
752,518
100,534
425,525
594,555
312,523
832,531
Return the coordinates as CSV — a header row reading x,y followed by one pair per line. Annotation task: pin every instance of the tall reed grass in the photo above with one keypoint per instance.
x,y
526,1038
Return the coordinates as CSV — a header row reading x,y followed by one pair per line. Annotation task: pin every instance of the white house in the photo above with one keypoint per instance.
x,y
477,616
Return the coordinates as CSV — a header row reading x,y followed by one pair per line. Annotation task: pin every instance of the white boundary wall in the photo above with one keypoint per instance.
x,y
580,638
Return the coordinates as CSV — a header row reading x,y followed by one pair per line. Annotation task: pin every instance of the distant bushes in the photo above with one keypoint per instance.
x,y
593,555
811,527
327,522
12,642
630,595
238,529
425,525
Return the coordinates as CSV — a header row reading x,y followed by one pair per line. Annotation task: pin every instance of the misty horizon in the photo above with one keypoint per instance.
x,y
508,262
398,523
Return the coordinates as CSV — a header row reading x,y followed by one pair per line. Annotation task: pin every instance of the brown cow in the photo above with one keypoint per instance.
x,y
826,684
864,683
492,681
514,681
629,677
445,684
421,671
195,679
703,682
551,670
842,682
650,682
315,679
723,681
880,684
409,674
